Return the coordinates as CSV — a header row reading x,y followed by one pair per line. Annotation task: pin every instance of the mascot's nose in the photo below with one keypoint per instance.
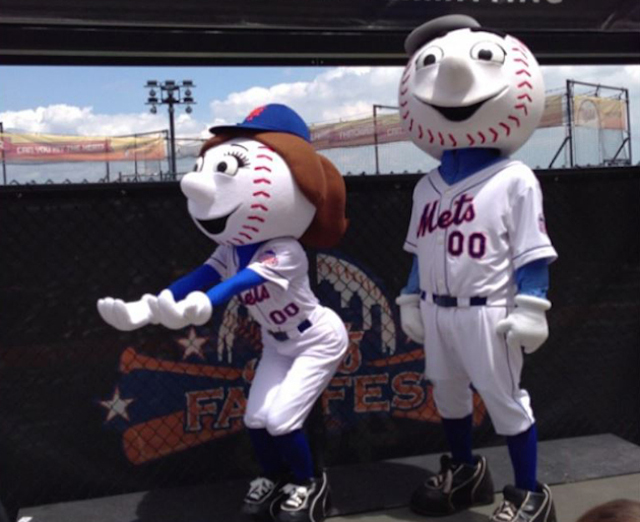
x,y
199,188
454,75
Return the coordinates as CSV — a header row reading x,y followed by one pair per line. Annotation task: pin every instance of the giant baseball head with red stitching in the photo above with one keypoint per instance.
x,y
262,179
466,86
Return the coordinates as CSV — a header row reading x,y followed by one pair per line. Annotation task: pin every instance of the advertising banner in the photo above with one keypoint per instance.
x,y
599,113
387,128
31,148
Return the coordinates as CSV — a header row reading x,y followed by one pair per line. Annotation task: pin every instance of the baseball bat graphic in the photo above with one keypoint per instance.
x,y
130,361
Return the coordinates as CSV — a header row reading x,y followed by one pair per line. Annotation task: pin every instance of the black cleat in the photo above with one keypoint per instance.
x,y
519,505
456,487
262,493
304,502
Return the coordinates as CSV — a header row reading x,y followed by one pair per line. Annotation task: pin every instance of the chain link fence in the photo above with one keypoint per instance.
x,y
107,412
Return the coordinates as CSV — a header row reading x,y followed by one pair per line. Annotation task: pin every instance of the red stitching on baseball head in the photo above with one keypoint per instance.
x,y
471,140
506,127
262,193
517,120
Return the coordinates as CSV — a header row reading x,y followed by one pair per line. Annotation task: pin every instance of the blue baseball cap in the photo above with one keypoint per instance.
x,y
272,117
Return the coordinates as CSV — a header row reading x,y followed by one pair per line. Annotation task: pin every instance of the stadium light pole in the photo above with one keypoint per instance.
x,y
170,93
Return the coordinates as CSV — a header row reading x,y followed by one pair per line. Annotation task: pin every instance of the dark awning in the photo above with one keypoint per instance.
x,y
300,31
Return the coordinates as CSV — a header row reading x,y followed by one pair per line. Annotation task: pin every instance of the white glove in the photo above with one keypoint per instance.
x,y
410,318
526,325
194,309
129,316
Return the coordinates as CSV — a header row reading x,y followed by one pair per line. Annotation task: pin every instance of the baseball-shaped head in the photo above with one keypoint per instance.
x,y
262,179
466,86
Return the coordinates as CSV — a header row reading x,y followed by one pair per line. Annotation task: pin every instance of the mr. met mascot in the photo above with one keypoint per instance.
x,y
476,295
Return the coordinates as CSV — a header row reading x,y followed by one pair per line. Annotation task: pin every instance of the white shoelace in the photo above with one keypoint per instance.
x,y
505,512
260,487
442,481
297,495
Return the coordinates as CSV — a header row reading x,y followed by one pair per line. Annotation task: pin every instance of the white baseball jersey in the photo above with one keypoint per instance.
x,y
471,236
292,373
285,299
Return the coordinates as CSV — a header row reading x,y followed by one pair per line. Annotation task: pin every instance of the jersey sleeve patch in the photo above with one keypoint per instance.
x,y
280,262
268,258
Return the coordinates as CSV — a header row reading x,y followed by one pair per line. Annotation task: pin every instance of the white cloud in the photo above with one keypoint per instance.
x,y
338,93
82,121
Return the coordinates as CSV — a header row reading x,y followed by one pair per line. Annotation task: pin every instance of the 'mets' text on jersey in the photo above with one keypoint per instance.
x,y
471,236
285,299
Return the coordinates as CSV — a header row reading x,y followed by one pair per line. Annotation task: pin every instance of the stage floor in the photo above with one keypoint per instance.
x,y
583,471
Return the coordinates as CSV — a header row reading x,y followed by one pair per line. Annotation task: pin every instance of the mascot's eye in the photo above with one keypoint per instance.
x,y
429,56
488,52
232,162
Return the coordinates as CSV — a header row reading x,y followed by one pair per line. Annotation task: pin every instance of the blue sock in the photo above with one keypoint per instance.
x,y
266,452
458,433
295,451
524,455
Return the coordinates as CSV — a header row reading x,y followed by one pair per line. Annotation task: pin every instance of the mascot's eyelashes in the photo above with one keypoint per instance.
x,y
243,159
234,162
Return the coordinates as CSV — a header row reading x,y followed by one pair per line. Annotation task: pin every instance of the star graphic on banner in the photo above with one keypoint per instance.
x,y
192,345
117,406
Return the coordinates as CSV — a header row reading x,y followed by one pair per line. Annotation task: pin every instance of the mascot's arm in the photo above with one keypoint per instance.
x,y
127,316
409,303
197,306
202,277
526,326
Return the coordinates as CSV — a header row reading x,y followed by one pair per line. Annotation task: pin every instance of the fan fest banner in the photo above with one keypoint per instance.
x,y
31,148
162,406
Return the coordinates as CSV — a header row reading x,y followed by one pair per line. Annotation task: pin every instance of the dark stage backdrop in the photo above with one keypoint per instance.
x,y
88,411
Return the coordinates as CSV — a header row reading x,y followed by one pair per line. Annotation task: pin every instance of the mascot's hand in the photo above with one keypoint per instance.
x,y
526,325
129,316
194,309
410,318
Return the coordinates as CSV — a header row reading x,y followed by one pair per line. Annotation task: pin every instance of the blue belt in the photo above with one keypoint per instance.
x,y
283,336
448,301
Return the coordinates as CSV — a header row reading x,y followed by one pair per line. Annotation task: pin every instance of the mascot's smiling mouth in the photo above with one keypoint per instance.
x,y
460,113
216,225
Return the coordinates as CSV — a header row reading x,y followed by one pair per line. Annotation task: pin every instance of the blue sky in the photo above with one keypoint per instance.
x,y
117,90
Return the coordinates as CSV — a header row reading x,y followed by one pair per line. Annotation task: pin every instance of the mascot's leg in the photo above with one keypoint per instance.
x,y
464,479
317,355
266,488
496,376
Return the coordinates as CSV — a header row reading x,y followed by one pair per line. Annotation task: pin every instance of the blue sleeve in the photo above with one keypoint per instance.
x,y
240,282
413,283
202,277
533,278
